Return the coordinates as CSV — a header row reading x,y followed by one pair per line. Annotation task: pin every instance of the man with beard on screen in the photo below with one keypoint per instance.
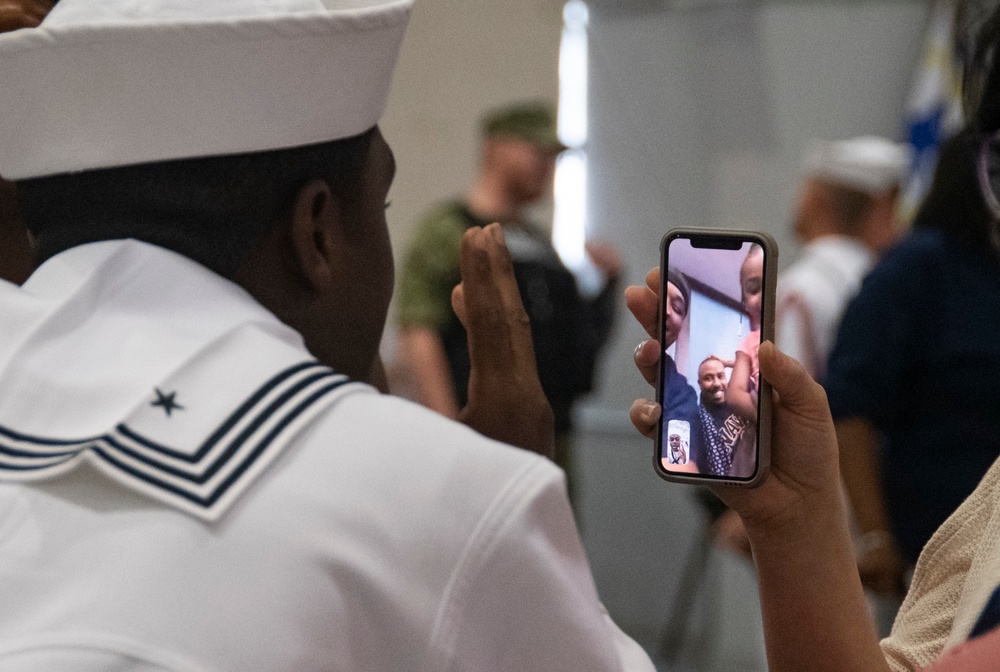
x,y
717,444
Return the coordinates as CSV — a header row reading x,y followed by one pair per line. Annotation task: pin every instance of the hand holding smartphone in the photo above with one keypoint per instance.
x,y
717,292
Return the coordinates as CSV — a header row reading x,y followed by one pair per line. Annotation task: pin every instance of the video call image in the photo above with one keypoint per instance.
x,y
678,447
711,334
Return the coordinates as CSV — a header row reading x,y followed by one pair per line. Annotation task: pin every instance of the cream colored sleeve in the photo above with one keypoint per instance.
x,y
955,575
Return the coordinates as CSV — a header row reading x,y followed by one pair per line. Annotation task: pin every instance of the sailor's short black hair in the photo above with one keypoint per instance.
x,y
211,209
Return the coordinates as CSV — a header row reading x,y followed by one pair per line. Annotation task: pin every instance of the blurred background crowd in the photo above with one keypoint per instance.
x,y
817,122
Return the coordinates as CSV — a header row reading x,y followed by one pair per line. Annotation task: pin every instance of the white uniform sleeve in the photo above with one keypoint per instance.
x,y
793,334
788,334
523,597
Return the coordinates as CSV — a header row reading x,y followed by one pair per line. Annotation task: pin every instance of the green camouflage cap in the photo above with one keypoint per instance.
x,y
533,122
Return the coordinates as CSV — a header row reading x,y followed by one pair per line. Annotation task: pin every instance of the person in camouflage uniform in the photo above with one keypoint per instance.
x,y
568,329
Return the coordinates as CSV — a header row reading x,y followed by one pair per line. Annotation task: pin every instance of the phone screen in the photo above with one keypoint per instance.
x,y
711,317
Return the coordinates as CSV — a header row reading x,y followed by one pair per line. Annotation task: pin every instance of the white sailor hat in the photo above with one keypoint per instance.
x,y
104,83
869,163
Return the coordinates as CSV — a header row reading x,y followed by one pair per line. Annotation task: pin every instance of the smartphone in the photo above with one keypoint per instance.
x,y
717,307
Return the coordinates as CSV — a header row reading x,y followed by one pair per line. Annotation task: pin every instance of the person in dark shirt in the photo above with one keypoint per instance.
x,y
679,400
908,377
569,326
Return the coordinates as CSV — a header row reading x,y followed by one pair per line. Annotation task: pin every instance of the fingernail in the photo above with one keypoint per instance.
x,y
650,411
635,353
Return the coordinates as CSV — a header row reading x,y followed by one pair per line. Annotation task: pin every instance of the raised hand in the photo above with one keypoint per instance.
x,y
605,257
506,401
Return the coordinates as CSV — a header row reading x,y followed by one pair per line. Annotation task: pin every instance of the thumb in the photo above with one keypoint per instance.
x,y
458,303
795,387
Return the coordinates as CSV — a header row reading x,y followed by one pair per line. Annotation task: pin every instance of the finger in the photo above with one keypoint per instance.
x,y
647,357
644,305
605,256
653,279
458,303
799,392
377,377
596,251
499,332
645,414
505,401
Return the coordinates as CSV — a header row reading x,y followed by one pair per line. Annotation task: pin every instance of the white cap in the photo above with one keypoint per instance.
x,y
103,83
869,164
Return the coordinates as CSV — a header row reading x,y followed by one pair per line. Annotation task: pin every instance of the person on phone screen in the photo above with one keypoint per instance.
x,y
677,453
741,393
717,443
680,401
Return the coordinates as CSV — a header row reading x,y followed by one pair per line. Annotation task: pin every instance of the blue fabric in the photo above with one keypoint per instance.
x,y
918,355
989,617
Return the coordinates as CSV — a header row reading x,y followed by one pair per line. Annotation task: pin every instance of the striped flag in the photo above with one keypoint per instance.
x,y
934,110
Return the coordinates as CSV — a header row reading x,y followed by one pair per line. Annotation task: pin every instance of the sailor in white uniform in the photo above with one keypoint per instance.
x,y
194,474
845,217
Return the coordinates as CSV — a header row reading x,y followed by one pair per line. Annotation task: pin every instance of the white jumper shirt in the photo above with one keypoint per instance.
x,y
813,294
183,488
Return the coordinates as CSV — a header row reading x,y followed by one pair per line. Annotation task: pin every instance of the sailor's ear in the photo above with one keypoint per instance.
x,y
315,223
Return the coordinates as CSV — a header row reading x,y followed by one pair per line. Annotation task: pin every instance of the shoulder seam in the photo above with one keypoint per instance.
x,y
489,530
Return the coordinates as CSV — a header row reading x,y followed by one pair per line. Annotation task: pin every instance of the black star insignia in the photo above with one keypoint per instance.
x,y
167,402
